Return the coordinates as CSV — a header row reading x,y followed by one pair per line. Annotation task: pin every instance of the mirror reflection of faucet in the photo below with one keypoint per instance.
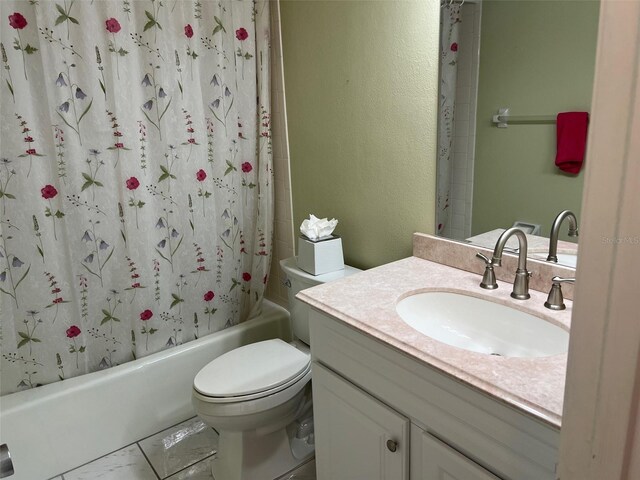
x,y
555,231
521,281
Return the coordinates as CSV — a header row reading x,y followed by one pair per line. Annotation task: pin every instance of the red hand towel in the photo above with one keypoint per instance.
x,y
571,128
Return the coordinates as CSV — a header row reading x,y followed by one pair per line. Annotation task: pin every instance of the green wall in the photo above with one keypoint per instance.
x,y
537,58
361,91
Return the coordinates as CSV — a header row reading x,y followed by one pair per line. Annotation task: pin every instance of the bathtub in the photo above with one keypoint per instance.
x,y
54,428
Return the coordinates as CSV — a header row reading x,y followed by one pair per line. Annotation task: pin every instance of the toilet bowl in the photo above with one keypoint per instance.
x,y
258,396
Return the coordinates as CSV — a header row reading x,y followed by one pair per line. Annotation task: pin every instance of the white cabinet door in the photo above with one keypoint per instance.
x,y
357,437
433,459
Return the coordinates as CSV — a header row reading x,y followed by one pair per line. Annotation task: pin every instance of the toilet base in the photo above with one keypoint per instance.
x,y
252,456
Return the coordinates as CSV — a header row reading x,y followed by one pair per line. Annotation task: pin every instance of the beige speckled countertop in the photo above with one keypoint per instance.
x,y
366,301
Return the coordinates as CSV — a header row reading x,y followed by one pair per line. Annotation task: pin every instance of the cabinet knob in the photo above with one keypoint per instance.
x,y
392,445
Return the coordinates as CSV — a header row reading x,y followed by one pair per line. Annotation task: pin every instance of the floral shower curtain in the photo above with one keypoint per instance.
x,y
136,201
449,33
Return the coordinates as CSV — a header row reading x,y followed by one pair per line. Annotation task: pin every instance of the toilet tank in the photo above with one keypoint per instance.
x,y
298,280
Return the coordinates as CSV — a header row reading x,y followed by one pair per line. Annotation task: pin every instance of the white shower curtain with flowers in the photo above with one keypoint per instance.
x,y
449,32
136,201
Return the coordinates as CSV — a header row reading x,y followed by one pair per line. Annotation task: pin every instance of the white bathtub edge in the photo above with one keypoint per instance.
x,y
57,427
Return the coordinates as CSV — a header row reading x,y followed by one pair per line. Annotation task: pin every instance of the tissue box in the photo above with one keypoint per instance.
x,y
320,257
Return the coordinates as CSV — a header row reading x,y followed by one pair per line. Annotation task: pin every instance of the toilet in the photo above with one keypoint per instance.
x,y
258,396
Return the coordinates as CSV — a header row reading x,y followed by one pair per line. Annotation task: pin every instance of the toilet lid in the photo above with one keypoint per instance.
x,y
251,369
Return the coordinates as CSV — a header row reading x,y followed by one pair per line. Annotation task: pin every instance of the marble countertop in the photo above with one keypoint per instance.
x,y
366,301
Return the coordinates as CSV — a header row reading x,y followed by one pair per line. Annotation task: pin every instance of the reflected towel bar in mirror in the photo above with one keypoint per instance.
x,y
503,118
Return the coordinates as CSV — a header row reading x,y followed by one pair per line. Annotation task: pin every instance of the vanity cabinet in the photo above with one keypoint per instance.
x,y
435,460
382,414
358,437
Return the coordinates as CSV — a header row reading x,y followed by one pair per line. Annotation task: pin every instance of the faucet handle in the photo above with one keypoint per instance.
x,y
559,280
483,257
489,278
555,300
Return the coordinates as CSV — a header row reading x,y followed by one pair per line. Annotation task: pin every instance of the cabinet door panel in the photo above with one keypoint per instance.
x,y
441,462
353,430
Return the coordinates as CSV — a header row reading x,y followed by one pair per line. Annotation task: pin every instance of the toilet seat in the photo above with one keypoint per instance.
x,y
252,372
227,409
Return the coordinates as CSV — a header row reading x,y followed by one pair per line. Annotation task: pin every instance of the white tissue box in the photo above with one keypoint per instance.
x,y
320,257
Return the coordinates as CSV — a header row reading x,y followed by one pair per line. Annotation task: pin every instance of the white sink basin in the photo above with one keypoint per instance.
x,y
566,259
481,326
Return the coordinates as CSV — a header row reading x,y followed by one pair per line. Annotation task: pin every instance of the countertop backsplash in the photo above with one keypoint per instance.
x,y
463,256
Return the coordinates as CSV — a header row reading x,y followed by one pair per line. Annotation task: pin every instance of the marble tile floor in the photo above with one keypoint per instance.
x,y
181,452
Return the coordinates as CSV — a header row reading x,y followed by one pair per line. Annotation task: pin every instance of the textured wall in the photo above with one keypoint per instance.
x,y
537,58
361,83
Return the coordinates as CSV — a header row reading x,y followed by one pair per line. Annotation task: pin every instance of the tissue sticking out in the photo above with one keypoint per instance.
x,y
316,229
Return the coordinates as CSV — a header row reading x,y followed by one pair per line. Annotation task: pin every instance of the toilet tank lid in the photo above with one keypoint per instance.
x,y
250,369
290,265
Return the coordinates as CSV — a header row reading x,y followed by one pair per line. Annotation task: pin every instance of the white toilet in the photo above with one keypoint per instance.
x,y
258,397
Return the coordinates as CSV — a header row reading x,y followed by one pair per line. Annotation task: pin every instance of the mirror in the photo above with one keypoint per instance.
x,y
537,59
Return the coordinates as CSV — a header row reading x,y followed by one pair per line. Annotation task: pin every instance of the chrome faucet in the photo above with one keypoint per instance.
x,y
489,278
521,282
555,300
555,230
